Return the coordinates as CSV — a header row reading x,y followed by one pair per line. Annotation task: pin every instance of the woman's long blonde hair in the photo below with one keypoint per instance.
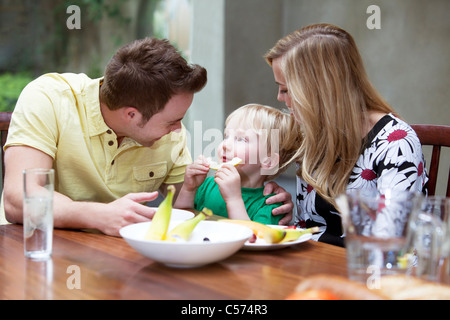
x,y
332,95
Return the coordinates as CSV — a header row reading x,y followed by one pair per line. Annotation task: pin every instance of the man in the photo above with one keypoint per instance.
x,y
111,141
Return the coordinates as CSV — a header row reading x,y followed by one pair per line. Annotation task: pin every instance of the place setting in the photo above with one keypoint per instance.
x,y
180,239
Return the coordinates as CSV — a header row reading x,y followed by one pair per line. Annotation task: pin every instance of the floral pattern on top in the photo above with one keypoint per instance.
x,y
391,159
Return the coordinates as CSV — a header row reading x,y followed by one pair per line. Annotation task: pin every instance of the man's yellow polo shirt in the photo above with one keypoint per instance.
x,y
59,114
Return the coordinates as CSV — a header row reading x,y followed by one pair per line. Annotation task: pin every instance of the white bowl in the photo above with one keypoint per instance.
x,y
225,239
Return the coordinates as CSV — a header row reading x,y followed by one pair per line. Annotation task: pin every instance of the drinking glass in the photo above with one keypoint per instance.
x,y
375,232
428,239
38,212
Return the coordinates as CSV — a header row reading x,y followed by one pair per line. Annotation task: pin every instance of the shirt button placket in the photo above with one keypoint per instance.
x,y
111,143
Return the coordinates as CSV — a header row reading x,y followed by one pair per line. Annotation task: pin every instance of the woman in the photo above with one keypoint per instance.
x,y
352,139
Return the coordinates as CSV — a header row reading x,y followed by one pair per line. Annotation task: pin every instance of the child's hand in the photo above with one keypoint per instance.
x,y
229,181
196,174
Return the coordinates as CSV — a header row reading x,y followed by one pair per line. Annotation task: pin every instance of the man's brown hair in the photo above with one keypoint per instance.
x,y
146,73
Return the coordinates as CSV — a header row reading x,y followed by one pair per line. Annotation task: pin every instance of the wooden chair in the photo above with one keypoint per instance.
x,y
436,136
5,119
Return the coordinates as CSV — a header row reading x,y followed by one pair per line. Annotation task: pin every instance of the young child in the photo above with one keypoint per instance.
x,y
265,139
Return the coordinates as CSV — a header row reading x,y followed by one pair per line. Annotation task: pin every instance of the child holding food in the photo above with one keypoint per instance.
x,y
265,139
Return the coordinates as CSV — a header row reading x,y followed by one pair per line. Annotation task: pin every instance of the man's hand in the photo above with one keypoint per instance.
x,y
126,210
283,196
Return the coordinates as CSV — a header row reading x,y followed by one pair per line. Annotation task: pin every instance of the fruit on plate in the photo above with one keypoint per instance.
x,y
160,222
262,231
294,234
184,229
273,235
216,166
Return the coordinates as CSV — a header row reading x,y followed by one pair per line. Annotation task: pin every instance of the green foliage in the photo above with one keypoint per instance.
x,y
97,8
11,85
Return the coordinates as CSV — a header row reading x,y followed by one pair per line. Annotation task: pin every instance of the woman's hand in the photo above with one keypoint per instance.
x,y
283,196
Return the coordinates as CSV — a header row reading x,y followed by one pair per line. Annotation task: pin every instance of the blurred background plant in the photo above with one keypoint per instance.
x,y
35,38
11,86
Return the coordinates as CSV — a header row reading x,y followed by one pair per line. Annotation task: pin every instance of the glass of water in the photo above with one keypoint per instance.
x,y
38,212
428,239
375,226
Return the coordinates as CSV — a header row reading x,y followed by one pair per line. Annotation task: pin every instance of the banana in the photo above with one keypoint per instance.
x,y
270,235
274,235
216,166
184,229
160,222
294,234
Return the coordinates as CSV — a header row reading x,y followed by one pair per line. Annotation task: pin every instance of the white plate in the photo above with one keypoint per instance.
x,y
178,214
261,244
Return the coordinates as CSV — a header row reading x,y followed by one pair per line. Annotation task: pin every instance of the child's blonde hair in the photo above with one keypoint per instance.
x,y
272,124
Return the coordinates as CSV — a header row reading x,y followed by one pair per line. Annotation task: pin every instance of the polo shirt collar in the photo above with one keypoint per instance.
x,y
96,123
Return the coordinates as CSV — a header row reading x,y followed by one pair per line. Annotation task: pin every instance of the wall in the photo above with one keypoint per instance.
x,y
208,50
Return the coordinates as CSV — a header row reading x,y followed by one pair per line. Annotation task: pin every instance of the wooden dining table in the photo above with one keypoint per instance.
x,y
87,265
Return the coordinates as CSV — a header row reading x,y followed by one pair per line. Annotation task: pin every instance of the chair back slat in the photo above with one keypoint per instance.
x,y
437,136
